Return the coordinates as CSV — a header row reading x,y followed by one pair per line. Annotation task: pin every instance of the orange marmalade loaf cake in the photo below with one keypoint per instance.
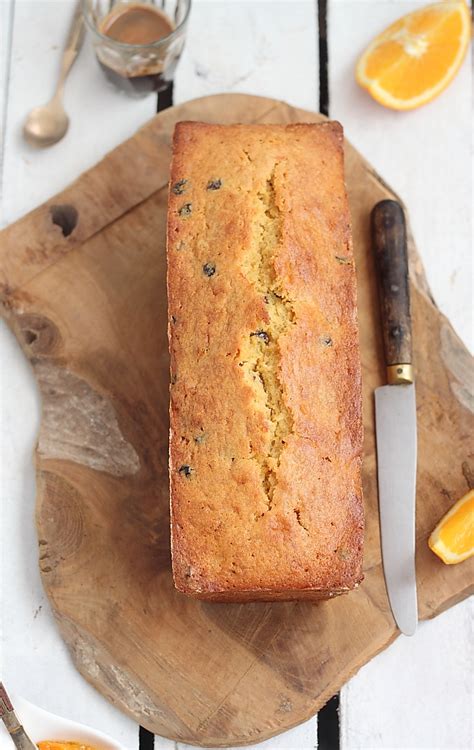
x,y
266,431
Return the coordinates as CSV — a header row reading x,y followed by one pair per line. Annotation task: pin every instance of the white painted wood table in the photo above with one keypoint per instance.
x,y
418,693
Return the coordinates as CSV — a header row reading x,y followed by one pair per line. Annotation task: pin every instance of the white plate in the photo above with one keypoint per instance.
x,y
41,725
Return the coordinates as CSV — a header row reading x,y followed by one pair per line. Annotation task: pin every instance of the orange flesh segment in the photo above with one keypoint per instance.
x,y
453,538
385,56
413,75
457,532
413,60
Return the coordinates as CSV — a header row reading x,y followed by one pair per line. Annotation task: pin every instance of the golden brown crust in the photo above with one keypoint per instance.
x,y
266,430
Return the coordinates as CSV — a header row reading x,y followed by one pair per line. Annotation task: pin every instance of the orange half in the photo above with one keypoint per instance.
x,y
453,538
413,61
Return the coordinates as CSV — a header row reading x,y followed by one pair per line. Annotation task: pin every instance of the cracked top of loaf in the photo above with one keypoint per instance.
x,y
266,430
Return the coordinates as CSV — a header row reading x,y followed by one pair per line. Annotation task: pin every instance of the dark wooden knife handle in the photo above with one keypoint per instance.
x,y
389,239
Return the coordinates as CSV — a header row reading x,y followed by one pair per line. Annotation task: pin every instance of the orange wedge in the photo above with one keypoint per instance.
x,y
413,61
453,538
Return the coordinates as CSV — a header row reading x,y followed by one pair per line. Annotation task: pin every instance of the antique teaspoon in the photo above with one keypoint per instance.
x,y
47,124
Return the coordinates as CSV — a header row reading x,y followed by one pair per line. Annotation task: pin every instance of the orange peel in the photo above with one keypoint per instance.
x,y
417,57
453,538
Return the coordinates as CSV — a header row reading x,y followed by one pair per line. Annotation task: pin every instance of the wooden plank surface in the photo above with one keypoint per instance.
x,y
32,646
6,27
302,737
100,119
402,699
103,118
262,47
418,693
425,154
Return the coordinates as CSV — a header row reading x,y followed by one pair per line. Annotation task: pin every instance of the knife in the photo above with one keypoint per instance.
x,y
14,728
395,416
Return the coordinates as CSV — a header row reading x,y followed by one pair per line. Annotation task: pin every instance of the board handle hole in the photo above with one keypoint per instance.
x,y
65,217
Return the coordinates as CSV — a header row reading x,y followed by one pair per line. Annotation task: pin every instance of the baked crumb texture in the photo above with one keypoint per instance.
x,y
266,431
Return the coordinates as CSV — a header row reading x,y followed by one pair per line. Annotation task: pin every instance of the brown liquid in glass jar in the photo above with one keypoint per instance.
x,y
137,24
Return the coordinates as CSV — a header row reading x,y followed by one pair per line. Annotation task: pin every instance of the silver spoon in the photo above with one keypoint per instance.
x,y
48,124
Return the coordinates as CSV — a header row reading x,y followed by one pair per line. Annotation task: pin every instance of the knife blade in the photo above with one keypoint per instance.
x,y
395,416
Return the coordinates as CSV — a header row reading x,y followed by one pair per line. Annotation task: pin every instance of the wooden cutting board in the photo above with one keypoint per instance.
x,y
82,284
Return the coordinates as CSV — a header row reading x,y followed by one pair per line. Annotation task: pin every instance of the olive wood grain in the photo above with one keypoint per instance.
x,y
82,284
390,246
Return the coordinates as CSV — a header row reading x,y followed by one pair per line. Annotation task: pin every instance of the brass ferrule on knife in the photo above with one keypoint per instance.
x,y
390,247
400,374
